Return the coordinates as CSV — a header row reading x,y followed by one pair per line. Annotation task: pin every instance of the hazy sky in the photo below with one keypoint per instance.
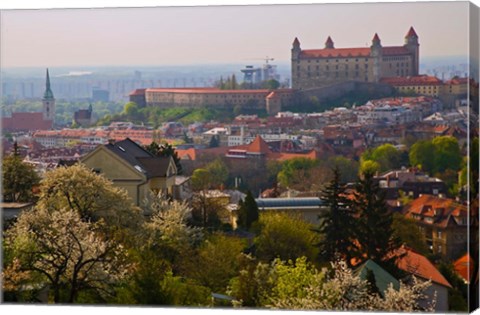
x,y
235,34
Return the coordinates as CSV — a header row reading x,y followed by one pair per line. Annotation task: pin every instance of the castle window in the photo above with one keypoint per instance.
x,y
336,67
336,60
327,68
318,68
356,67
336,74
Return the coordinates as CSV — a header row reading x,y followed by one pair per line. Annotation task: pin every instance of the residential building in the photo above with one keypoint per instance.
x,y
420,267
421,84
443,221
134,169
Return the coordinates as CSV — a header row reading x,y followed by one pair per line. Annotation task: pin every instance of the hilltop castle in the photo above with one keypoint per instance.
x,y
314,68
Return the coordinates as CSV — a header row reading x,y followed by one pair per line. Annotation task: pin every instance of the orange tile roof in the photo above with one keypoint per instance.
x,y
206,91
258,145
426,205
418,265
464,266
187,154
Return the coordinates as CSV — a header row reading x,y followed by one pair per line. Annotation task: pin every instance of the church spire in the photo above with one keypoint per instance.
x,y
48,91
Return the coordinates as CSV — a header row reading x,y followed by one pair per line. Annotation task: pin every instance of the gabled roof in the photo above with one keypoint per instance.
x,y
443,211
382,278
140,159
418,265
258,146
464,266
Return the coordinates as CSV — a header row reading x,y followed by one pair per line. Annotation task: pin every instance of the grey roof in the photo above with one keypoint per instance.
x,y
139,158
288,203
383,279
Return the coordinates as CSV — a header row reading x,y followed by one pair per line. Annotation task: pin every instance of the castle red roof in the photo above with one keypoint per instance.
x,y
351,52
376,38
395,50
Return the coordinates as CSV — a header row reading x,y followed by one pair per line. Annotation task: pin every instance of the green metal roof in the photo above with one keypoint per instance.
x,y
48,94
288,203
383,279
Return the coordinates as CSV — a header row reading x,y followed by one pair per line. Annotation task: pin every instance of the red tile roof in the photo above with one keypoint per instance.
x,y
376,38
138,92
395,50
464,266
414,80
26,122
418,265
336,52
351,52
444,210
258,146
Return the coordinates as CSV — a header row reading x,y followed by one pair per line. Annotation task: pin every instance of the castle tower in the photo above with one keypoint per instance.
x,y
296,50
411,44
48,102
329,43
376,53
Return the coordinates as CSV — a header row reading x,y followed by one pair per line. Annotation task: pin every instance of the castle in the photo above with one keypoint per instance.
x,y
313,68
323,73
24,121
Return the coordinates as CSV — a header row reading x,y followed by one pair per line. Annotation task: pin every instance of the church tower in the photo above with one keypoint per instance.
x,y
412,45
48,102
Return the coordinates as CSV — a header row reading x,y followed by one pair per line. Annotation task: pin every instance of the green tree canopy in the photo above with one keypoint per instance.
x,y
247,212
18,179
386,156
285,236
295,170
373,228
336,222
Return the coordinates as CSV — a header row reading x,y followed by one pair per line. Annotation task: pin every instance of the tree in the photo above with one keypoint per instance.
x,y
298,285
386,156
247,211
408,233
92,196
373,228
336,221
165,150
422,154
76,236
216,262
369,166
437,155
18,179
285,236
131,110
295,170
447,154
71,255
